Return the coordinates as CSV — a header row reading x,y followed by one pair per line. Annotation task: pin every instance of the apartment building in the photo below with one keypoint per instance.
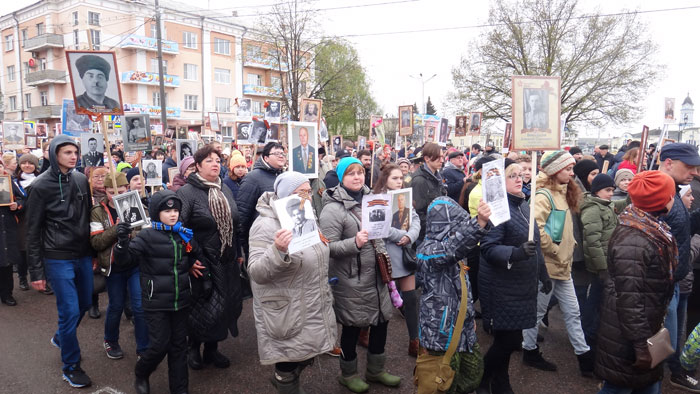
x,y
208,63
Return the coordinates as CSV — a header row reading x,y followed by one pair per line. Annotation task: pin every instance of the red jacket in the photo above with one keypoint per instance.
x,y
628,165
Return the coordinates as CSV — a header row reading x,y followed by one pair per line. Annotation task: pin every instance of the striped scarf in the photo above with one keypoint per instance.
x,y
185,233
221,211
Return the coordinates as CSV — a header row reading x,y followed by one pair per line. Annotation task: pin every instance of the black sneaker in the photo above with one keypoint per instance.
x,y
47,290
686,382
113,350
534,359
54,341
76,377
23,284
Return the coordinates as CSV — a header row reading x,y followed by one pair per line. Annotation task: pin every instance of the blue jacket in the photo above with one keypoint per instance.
x,y
508,286
450,235
233,185
454,177
683,226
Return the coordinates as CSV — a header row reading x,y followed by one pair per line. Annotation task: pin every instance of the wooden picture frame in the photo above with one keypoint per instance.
x,y
336,147
6,196
310,114
130,209
80,63
461,125
405,120
536,109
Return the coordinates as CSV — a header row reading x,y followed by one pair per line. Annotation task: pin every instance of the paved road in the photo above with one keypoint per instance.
x,y
29,364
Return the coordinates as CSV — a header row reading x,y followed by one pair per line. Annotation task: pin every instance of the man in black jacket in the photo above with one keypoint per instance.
x,y
58,243
427,183
331,179
453,173
603,156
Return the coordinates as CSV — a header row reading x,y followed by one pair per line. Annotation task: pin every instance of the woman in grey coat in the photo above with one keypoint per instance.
x,y
361,299
405,227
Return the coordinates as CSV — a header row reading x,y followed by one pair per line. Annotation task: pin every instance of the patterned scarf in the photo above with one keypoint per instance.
x,y
658,230
221,211
185,233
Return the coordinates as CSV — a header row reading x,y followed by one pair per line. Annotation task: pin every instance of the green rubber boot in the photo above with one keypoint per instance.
x,y
350,378
376,372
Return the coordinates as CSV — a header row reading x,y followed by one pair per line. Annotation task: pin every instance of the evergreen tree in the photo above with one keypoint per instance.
x,y
415,109
430,108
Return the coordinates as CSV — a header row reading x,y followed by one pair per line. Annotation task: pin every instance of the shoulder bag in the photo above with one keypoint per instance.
x,y
659,346
556,219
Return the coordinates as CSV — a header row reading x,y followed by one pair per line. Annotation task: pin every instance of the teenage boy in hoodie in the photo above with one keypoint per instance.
x,y
58,243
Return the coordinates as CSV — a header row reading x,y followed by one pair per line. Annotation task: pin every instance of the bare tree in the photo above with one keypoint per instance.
x,y
606,63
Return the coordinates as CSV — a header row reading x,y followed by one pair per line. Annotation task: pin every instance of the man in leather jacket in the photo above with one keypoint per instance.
x,y
58,247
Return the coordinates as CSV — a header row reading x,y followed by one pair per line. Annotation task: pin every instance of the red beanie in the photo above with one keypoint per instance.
x,y
650,191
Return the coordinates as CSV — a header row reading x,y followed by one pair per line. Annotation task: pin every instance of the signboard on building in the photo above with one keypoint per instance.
x,y
148,43
154,111
266,91
149,78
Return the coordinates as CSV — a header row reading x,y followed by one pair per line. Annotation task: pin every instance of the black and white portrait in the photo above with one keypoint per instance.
x,y
214,121
444,131
5,190
474,122
536,109
13,135
244,108
273,133
377,215
136,133
92,149
30,141
95,82
302,224
272,112
185,148
242,131
405,118
181,133
669,107
258,134
130,209
153,172
337,143
297,215
323,131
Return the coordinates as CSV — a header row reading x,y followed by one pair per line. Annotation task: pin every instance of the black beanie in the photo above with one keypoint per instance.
x,y
164,199
582,169
483,160
508,162
600,182
574,150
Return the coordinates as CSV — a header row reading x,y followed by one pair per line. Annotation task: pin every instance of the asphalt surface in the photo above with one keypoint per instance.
x,y
30,364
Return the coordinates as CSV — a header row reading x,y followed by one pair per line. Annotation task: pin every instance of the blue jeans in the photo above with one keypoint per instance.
x,y
674,363
671,322
117,284
71,281
609,388
590,319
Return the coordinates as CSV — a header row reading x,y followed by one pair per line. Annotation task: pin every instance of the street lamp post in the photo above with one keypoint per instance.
x,y
423,82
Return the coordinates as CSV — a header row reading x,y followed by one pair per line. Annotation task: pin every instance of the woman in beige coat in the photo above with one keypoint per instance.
x,y
292,301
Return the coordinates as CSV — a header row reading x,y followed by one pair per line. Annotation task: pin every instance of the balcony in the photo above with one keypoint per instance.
x,y
149,78
263,91
134,41
44,41
265,62
45,112
45,77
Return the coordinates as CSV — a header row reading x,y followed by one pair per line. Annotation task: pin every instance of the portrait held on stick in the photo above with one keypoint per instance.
x,y
92,149
95,82
12,135
185,148
6,197
406,120
303,140
461,126
311,110
536,103
153,172
136,133
273,111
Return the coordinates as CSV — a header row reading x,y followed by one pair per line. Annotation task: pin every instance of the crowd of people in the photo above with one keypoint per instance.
x,y
614,244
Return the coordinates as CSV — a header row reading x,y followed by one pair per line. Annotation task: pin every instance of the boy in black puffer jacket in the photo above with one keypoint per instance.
x,y
166,255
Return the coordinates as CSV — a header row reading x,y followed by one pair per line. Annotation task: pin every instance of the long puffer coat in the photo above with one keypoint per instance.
x,y
361,299
292,300
211,318
260,180
598,219
426,187
507,286
634,305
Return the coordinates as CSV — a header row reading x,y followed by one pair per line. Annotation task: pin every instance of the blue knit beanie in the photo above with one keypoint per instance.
x,y
343,165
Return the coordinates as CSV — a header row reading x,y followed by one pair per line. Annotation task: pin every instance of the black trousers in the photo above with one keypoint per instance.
x,y
167,334
497,358
350,335
22,267
6,281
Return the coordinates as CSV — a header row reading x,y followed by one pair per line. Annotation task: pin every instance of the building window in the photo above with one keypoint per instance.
x,y
222,75
26,68
223,104
154,32
190,73
75,18
156,99
191,102
222,47
40,29
9,42
189,40
95,36
257,107
11,73
276,82
13,103
28,100
255,79
25,35
154,66
227,131
252,51
44,96
93,18
76,39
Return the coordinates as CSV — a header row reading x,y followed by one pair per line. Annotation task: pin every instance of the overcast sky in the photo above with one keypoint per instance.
x,y
391,59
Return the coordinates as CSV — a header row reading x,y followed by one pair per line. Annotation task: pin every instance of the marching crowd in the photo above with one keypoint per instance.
x,y
613,246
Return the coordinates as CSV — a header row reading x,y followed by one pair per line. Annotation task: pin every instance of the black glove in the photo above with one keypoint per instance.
x,y
546,286
123,232
524,251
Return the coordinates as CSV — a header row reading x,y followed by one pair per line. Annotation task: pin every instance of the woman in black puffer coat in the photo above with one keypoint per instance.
x,y
208,208
509,272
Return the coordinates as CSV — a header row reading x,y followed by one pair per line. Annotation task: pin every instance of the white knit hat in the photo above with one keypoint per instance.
x,y
289,181
555,161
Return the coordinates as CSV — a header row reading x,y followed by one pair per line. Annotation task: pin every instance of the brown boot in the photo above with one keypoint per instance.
x,y
413,347
364,337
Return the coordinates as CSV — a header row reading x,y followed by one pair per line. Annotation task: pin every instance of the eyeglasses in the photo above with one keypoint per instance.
x,y
513,177
278,154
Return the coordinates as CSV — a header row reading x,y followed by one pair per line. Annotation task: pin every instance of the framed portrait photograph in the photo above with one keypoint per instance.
x,y
311,110
214,121
136,133
29,127
258,133
30,141
303,141
5,190
158,140
376,129
185,148
130,209
12,135
156,129
172,173
273,112
245,111
401,206
92,149
72,123
243,131
431,129
297,215
283,136
181,133
444,132
273,133
536,103
461,124
42,129
508,137
323,130
337,143
153,172
475,123
361,143
405,120
94,82
669,109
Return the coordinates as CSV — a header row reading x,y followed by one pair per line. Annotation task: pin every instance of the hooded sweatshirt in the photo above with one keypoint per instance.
x,y
58,214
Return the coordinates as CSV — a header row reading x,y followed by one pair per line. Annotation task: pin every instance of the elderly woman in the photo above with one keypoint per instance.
x,y
185,168
361,299
623,177
292,300
210,211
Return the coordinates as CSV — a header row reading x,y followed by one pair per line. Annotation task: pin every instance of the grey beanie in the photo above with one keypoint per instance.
x,y
286,183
